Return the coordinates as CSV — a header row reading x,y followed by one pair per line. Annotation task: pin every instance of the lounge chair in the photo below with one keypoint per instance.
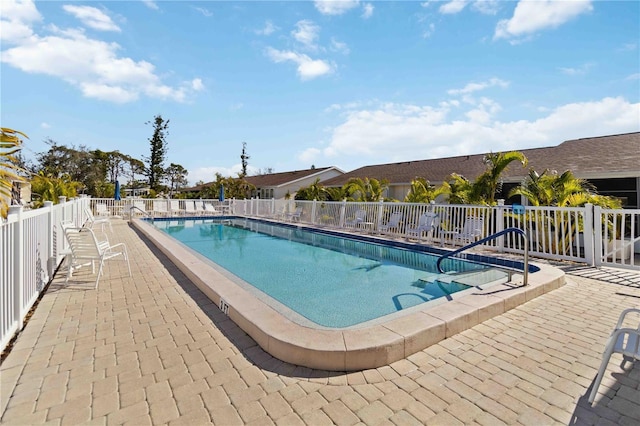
x,y
92,220
190,208
472,230
295,216
175,207
85,248
209,209
393,223
625,341
160,208
427,222
358,219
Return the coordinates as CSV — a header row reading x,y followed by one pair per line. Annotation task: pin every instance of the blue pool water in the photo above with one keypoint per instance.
x,y
330,280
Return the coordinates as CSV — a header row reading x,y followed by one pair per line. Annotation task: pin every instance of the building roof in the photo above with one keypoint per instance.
x,y
596,157
274,179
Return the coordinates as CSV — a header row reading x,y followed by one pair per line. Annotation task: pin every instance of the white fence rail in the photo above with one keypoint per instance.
x,y
31,248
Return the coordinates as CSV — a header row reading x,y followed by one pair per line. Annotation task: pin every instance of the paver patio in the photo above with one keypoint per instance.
x,y
152,349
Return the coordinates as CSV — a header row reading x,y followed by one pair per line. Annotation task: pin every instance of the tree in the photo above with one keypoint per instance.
x,y
484,188
366,189
50,188
10,145
177,176
422,191
244,157
159,146
457,189
315,191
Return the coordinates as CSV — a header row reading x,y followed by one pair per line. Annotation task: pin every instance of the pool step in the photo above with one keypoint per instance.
x,y
470,278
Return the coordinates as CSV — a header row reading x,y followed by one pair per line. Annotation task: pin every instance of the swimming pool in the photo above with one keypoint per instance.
x,y
367,345
329,280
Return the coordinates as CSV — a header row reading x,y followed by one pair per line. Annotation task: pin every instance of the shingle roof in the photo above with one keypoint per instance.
x,y
596,157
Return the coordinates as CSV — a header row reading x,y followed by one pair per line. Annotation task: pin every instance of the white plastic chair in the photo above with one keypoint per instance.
x,y
625,341
472,230
208,208
92,220
160,207
358,219
427,222
85,248
393,223
296,215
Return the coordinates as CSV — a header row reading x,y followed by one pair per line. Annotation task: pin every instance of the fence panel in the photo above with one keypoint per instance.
x,y
617,233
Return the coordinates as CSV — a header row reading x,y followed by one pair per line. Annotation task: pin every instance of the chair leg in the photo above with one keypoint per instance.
x,y
603,367
99,272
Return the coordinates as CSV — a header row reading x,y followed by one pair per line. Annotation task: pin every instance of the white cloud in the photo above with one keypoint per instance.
x,y
208,174
635,76
151,4
205,12
91,65
367,10
306,32
335,7
197,85
307,68
393,132
452,7
474,87
340,47
530,17
92,17
429,31
16,19
581,70
268,29
309,155
44,125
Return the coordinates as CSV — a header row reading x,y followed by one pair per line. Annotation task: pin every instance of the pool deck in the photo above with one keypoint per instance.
x,y
154,349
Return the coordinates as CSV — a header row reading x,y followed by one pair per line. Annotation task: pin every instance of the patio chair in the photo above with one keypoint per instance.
x,y
393,223
358,219
175,207
190,207
85,248
160,208
102,210
92,220
209,209
472,230
625,341
295,216
427,222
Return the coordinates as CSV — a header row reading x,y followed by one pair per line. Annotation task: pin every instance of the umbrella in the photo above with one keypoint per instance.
x,y
221,195
117,192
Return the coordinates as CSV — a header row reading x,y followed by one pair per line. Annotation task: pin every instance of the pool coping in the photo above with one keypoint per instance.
x,y
349,349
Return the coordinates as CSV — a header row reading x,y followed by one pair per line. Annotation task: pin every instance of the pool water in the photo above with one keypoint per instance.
x,y
330,280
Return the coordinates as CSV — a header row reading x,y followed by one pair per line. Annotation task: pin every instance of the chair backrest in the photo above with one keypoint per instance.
x,y
210,208
428,221
395,219
360,215
102,209
473,227
89,213
189,206
175,205
83,243
160,205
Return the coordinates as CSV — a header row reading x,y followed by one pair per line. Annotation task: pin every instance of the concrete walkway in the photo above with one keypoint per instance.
x,y
152,349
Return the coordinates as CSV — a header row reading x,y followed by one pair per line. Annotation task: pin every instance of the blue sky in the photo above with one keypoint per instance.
x,y
324,83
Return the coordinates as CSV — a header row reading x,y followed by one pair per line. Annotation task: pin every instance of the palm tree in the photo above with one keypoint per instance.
x,y
422,191
10,145
315,191
457,188
366,189
50,188
487,184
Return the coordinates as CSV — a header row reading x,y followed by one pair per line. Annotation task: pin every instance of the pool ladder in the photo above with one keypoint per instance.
x,y
525,275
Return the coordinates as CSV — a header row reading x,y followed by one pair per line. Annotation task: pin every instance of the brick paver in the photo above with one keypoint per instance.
x,y
152,349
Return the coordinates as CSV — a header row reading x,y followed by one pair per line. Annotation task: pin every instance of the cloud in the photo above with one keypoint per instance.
x,y
452,7
340,47
208,174
530,17
635,76
307,68
205,12
92,17
44,125
268,29
335,7
367,10
429,31
403,132
583,69
486,7
151,4
16,20
306,32
474,87
91,65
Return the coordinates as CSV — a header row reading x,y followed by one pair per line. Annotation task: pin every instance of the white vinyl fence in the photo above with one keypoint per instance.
x,y
31,248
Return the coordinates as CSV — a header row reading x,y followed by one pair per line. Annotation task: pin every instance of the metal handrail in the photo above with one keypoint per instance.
x,y
141,211
525,276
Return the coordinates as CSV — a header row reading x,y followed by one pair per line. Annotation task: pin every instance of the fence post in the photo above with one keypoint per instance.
x,y
313,211
500,211
380,211
343,209
593,241
49,232
18,263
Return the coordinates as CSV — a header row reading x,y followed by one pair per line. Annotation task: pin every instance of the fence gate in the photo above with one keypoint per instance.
x,y
617,237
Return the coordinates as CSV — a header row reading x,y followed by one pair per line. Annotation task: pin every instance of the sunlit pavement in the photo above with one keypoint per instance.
x,y
152,349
